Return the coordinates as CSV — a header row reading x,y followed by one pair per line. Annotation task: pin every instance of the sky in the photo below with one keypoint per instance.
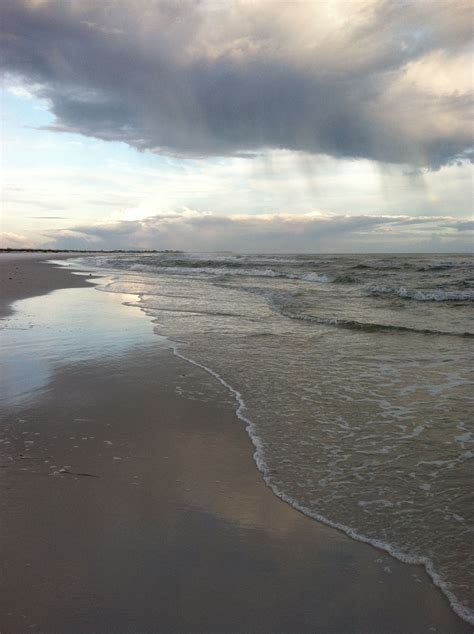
x,y
252,126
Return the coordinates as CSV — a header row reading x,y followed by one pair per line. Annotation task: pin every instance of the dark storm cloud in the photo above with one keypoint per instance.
x,y
197,231
203,78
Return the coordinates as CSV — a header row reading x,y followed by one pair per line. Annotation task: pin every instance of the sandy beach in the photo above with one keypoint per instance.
x,y
26,275
130,500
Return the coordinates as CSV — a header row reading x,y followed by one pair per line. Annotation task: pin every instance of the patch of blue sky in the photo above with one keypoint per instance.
x,y
28,124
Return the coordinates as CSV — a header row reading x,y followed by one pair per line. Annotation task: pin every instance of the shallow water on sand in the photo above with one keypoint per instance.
x,y
42,336
174,513
355,377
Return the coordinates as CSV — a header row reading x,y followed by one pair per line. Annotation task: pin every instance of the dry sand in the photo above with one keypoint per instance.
x,y
135,506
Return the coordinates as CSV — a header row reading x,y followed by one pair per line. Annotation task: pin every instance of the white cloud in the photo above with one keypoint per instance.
x,y
192,230
370,79
333,109
15,241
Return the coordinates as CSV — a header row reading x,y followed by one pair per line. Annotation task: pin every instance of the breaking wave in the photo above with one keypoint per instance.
x,y
353,324
228,270
421,295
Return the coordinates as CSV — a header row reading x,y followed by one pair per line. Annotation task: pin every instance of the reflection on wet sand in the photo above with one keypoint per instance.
x,y
178,532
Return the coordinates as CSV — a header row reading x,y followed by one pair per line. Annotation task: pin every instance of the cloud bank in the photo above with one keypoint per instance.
x,y
191,230
377,79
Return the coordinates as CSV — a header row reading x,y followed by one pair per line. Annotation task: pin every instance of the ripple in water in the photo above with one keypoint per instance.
x,y
366,428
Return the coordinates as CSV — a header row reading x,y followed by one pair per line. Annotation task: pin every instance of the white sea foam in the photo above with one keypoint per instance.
x,y
259,456
229,271
316,277
206,270
465,438
421,295
377,441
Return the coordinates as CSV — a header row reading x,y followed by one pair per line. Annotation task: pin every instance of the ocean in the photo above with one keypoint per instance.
x,y
353,377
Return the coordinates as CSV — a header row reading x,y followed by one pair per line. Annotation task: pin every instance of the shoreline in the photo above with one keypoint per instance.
x,y
21,276
257,538
379,545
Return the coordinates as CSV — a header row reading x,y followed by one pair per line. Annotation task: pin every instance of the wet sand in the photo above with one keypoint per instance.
x,y
130,501
27,274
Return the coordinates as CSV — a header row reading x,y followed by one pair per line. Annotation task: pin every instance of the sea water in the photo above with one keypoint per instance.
x,y
353,375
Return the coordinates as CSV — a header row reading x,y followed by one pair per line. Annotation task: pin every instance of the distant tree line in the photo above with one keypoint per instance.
x,y
88,251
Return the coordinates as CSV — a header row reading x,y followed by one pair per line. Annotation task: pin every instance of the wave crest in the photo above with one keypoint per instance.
x,y
418,295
